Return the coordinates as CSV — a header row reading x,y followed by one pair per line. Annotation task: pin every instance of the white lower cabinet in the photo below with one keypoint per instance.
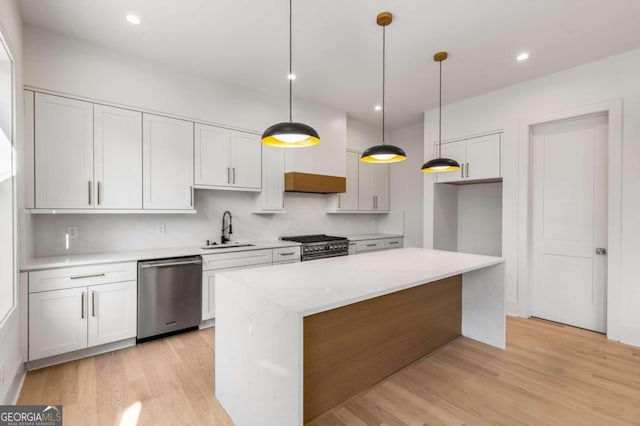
x,y
112,312
377,244
209,292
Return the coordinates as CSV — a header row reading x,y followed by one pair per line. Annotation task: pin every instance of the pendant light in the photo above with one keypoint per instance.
x,y
289,134
383,153
440,164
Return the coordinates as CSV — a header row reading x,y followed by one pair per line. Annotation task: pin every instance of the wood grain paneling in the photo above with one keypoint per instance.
x,y
307,182
348,349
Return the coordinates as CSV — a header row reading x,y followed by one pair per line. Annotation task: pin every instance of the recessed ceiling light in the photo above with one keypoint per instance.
x,y
134,19
523,56
377,107
291,76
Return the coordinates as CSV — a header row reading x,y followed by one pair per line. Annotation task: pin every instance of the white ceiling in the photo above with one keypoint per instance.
x,y
337,44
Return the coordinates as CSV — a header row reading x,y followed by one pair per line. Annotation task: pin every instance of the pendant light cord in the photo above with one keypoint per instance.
x,y
440,115
290,63
384,39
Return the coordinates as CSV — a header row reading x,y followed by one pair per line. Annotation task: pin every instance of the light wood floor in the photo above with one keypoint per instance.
x,y
549,374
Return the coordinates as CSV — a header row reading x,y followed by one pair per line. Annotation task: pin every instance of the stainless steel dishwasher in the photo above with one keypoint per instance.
x,y
169,295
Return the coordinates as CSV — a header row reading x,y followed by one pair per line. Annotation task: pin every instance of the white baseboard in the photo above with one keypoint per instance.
x,y
13,393
83,353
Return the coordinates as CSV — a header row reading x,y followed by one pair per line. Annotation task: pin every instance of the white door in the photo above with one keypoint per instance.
x,y
349,200
64,152
570,222
483,157
117,158
212,155
366,193
272,197
112,312
57,322
381,186
167,156
455,151
246,160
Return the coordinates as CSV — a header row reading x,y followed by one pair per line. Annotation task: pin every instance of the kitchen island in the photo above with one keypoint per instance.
x,y
293,341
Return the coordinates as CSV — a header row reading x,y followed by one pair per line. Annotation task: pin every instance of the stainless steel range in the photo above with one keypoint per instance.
x,y
320,246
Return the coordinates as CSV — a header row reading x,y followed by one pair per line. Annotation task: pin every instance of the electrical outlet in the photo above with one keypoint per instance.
x,y
72,231
2,372
161,229
349,223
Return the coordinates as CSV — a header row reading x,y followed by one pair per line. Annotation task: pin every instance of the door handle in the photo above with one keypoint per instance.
x,y
467,169
462,171
93,303
190,195
82,306
233,173
228,175
98,192
601,251
89,186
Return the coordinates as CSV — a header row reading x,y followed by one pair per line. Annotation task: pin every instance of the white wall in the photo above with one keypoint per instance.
x,y
480,219
610,78
11,340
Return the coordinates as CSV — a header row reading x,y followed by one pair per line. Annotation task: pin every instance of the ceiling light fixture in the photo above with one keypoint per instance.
x,y
440,164
289,134
383,153
134,19
523,56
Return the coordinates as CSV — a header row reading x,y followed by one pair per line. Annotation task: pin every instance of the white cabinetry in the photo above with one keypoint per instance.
x,y
378,244
348,201
117,158
63,152
367,187
167,163
479,158
271,199
77,308
227,159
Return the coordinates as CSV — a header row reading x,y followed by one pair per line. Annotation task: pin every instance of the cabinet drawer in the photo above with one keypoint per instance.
x,y
391,243
81,276
368,245
286,254
236,259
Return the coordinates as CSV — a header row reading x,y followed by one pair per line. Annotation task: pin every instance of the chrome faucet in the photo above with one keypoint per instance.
x,y
226,237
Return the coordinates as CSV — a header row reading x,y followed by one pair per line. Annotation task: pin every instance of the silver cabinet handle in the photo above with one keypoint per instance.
x,y
372,245
98,192
393,242
339,201
601,251
289,253
467,169
228,175
79,277
89,186
233,173
82,308
93,303
191,196
462,171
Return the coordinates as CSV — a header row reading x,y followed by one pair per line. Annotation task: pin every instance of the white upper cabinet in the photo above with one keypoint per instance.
x,y
271,198
63,152
373,187
479,158
349,200
117,158
227,159
167,153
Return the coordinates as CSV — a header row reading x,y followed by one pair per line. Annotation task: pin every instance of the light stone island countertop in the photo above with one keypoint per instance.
x,y
311,287
54,262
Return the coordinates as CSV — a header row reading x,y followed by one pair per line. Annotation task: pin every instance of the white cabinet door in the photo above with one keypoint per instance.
x,y
209,292
349,200
57,322
455,151
117,158
246,160
381,187
272,196
167,153
63,152
212,155
112,312
366,193
483,157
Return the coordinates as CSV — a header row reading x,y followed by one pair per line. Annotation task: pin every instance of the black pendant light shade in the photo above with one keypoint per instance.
x,y
383,153
440,164
289,134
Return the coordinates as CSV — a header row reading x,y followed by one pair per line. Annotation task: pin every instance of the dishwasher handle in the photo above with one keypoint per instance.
x,y
161,264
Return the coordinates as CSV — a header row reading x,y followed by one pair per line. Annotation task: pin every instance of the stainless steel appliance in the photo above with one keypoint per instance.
x,y
320,246
169,295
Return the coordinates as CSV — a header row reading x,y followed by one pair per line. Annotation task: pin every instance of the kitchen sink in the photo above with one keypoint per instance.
x,y
226,246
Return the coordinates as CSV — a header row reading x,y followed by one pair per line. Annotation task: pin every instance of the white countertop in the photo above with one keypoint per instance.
x,y
53,262
364,237
317,286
